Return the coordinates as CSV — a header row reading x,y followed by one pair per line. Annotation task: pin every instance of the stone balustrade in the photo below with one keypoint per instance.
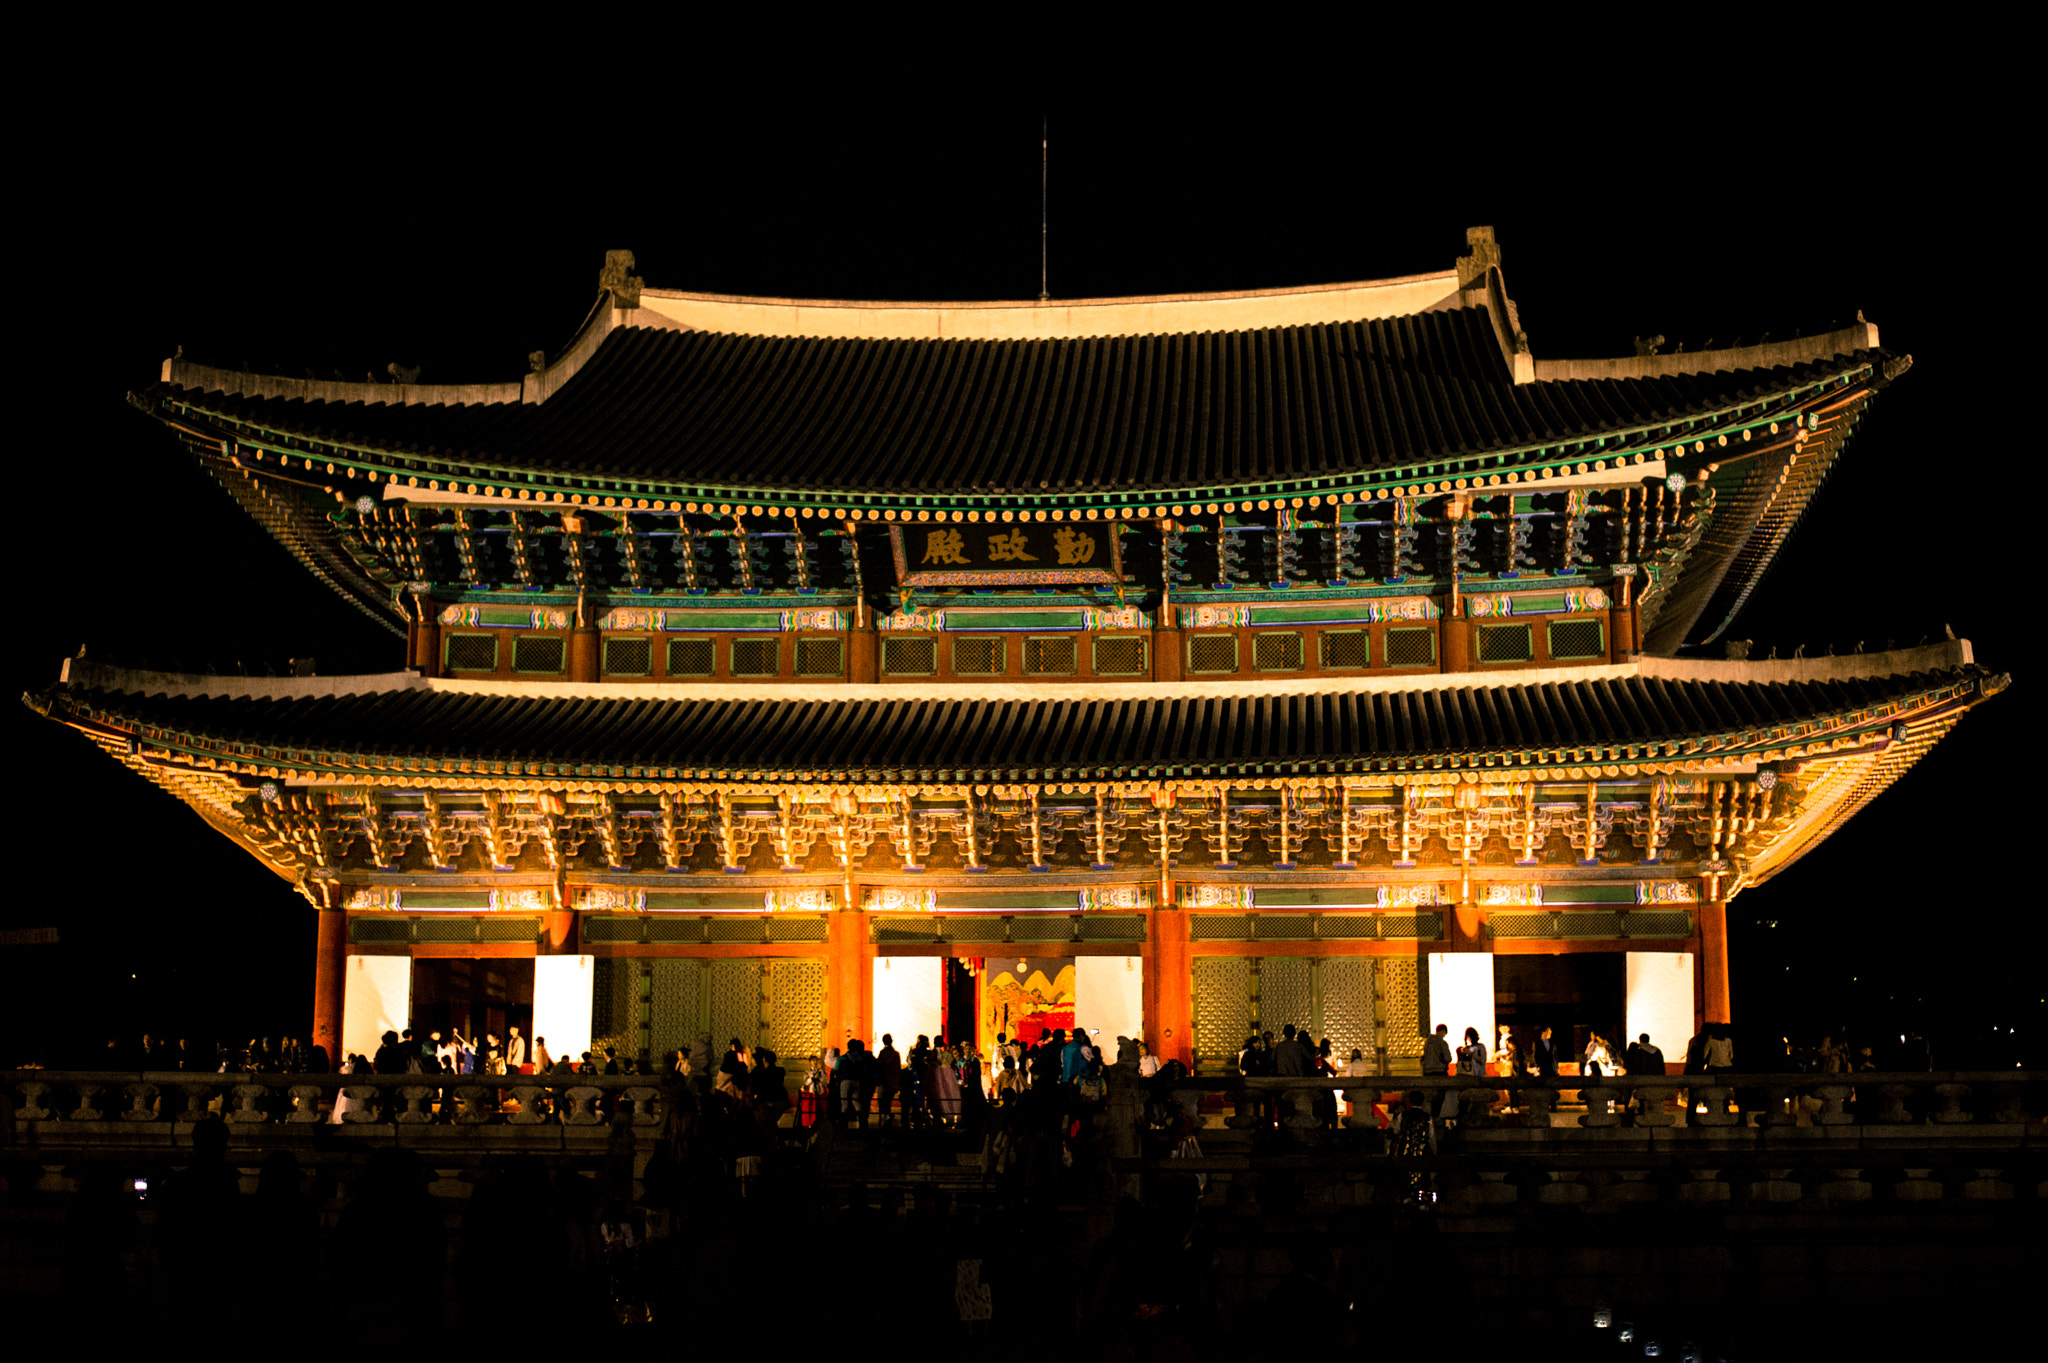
x,y
53,1101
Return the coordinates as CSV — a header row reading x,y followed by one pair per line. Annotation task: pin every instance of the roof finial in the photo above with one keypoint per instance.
x,y
624,286
1482,252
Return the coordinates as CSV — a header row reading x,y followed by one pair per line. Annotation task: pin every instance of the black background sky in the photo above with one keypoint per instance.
x,y
276,227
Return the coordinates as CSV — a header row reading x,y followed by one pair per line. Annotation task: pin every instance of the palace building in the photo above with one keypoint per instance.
x,y
803,670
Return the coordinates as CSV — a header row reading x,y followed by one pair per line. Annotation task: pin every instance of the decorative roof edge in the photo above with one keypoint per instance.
x,y
1946,655
1777,355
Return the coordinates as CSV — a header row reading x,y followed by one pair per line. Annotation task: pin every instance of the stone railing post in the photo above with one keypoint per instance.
x,y
1717,1099
305,1103
88,1098
1598,1095
528,1096
2012,1103
1538,1102
1653,1101
1895,1112
1780,1106
1952,1096
646,1108
1834,1100
199,1100
362,1104
419,1104
141,1103
32,1109
1301,1110
249,1103
475,1105
582,1103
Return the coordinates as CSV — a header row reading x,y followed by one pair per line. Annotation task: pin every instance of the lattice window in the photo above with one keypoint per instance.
x,y
1660,923
1276,652
600,929
735,990
1117,927
1212,653
1346,648
1348,927
614,1005
1506,644
904,930
508,929
1286,992
1223,1011
692,657
796,1008
1421,927
1045,929
1411,648
1050,656
756,656
979,655
1401,990
980,929
912,657
472,653
1287,927
1511,925
444,930
675,929
673,1008
538,653
796,929
1220,927
1589,925
1121,655
736,929
379,930
817,658
1348,1005
1577,639
628,657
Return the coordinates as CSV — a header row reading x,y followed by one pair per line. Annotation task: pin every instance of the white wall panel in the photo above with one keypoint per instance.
x,y
1461,995
1660,1001
377,998
1109,995
907,990
564,991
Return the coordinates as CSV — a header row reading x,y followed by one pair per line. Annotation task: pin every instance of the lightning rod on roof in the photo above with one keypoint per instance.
x,y
1042,157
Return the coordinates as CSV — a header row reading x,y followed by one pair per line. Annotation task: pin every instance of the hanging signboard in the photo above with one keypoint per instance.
x,y
990,554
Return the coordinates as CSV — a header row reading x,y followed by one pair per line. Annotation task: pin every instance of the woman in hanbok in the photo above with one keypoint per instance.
x,y
945,1084
342,1102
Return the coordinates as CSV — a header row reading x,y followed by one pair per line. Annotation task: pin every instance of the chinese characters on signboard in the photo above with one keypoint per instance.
x,y
1034,552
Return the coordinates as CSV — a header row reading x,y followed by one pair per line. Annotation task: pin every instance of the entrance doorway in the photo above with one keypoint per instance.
x,y
477,998
1027,996
1573,993
958,1015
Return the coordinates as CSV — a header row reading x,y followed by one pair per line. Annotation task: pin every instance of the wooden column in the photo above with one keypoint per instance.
x,y
1169,987
330,967
848,977
1464,929
1621,621
583,652
1454,635
864,654
426,639
1714,960
557,934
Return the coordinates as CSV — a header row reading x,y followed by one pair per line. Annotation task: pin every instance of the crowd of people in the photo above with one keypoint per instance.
x,y
938,1083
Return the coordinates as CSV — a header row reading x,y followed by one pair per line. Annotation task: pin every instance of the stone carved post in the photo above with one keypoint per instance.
x,y
1717,1099
1953,1096
88,1099
474,1105
1895,1112
141,1103
645,1107
305,1103
1538,1101
249,1100
32,1109
1780,1106
419,1104
1653,1104
582,1102
528,1096
198,1100
1834,1099
1599,1097
362,1108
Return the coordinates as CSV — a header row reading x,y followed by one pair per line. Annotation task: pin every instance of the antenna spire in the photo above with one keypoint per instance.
x,y
1043,156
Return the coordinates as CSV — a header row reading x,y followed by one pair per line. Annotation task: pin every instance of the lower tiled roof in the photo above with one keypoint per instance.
x,y
1024,738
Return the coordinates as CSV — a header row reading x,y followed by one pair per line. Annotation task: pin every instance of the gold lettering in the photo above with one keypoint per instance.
x,y
944,546
1073,546
1009,548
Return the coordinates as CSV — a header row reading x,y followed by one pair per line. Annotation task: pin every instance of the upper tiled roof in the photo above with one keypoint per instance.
x,y
1186,410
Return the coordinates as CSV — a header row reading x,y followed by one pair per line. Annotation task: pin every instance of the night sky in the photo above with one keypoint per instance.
x,y
319,243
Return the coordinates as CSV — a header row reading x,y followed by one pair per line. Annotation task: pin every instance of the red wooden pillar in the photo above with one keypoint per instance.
x,y
1714,960
426,639
583,650
330,974
848,977
1169,987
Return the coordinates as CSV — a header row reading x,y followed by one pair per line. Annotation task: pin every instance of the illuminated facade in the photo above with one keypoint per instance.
x,y
806,670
